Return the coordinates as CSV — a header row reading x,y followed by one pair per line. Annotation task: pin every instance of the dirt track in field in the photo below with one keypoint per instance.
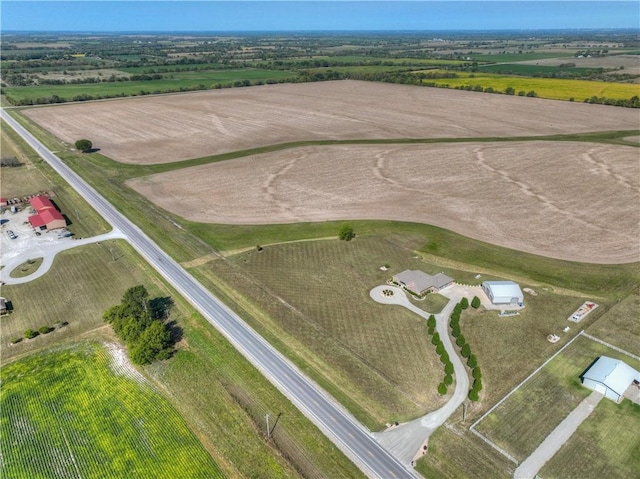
x,y
573,201
167,128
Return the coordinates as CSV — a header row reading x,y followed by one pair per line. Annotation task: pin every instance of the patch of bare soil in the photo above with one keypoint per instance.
x,y
572,201
168,128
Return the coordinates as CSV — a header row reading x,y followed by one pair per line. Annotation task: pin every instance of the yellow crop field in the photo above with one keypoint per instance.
x,y
554,88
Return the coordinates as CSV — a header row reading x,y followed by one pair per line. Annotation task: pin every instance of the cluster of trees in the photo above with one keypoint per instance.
x,y
141,324
444,356
633,102
32,333
465,349
346,233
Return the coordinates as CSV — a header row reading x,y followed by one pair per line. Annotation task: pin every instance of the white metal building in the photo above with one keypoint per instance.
x,y
610,376
503,292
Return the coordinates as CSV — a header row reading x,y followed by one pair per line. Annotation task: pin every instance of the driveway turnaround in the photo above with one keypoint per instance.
x,y
356,442
46,251
554,441
406,441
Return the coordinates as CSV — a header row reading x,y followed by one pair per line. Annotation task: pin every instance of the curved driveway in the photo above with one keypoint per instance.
x,y
406,440
47,252
334,421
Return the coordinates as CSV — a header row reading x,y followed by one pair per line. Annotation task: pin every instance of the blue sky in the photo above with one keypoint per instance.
x,y
267,15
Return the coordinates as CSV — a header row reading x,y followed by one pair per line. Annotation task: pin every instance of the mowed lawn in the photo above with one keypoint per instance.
x,y
82,283
68,414
607,445
510,348
312,299
525,419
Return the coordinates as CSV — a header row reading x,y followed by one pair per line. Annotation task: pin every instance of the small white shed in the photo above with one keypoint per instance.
x,y
609,376
503,292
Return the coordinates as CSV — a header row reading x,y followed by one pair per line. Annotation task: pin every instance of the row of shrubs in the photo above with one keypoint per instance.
x,y
444,356
465,349
32,333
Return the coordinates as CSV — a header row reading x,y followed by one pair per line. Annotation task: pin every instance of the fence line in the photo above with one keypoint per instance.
x,y
496,447
525,380
597,340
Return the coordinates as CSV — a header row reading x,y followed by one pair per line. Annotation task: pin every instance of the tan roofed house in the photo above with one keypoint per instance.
x,y
419,282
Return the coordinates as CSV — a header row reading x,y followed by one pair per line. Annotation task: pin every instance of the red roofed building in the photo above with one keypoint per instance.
x,y
47,217
40,203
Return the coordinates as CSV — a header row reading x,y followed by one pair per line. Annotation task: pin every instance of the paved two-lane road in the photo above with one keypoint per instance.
x,y
345,432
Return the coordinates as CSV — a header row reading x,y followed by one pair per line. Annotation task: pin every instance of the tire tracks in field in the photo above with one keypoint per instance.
x,y
601,166
529,191
271,191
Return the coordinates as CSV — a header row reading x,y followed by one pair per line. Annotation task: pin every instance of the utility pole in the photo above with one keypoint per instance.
x,y
464,411
268,431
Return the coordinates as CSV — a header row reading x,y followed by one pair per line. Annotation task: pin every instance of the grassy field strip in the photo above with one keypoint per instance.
x,y
517,425
620,350
67,414
492,444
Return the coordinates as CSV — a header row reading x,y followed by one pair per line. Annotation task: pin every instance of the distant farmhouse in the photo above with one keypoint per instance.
x,y
503,292
610,376
47,217
419,283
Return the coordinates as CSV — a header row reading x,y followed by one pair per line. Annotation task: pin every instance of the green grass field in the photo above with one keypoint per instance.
x,y
605,445
518,426
553,88
179,80
524,69
312,299
98,282
67,414
619,325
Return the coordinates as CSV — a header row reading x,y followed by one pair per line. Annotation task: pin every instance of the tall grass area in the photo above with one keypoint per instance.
x,y
619,325
67,413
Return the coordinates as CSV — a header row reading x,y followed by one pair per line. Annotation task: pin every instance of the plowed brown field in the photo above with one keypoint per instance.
x,y
573,201
162,129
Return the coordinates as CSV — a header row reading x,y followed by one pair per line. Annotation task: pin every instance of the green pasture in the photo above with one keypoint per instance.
x,y
530,70
605,445
67,414
517,424
97,283
519,57
521,338
553,88
179,80
312,300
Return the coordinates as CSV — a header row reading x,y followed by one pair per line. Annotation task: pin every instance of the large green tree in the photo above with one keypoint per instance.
x,y
84,145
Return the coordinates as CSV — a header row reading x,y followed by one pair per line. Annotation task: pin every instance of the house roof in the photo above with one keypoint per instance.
x,y
504,289
36,221
40,203
613,373
418,281
45,217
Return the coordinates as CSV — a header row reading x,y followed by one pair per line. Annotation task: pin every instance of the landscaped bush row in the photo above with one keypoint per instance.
x,y
465,349
444,356
31,333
